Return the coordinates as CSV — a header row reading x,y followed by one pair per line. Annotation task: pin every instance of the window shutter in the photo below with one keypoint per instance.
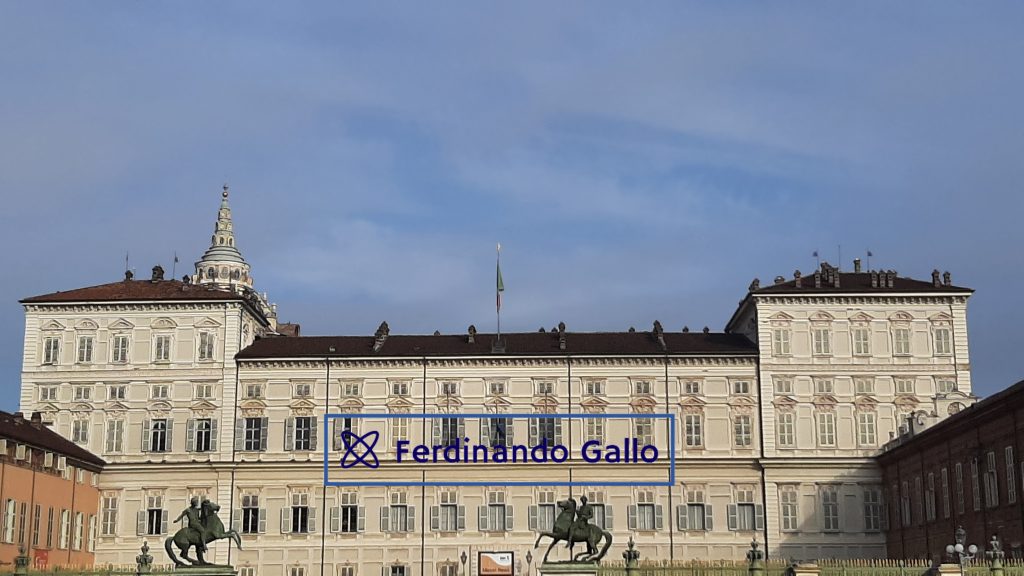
x,y
659,517
509,517
145,434
533,432
311,524
140,522
485,437
759,517
385,526
164,516
264,429
336,442
435,518
263,521
631,516
190,434
481,518
239,434
110,436
169,445
286,525
681,520
436,429
531,520
289,433
558,430
609,517
313,425
731,513
361,519
460,523
509,432
709,518
410,519
335,519
236,520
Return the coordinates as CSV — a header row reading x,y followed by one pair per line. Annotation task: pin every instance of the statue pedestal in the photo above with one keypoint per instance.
x,y
946,568
209,570
567,569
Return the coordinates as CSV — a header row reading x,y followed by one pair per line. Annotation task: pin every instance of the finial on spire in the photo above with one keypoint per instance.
x,y
224,194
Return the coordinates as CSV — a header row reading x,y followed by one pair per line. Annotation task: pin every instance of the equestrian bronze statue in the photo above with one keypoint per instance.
x,y
202,528
573,525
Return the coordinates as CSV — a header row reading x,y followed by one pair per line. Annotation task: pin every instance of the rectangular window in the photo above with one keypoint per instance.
x,y
547,430
108,515
959,469
448,512
643,387
398,513
303,390
51,351
864,385
79,528
115,436
861,341
643,429
783,385
697,511
975,484
80,431
1011,476
866,436
901,341
545,388
350,389
824,386
943,341
47,393
780,341
83,393
741,387
821,340
904,385
158,435
787,429
400,388
37,518
830,509
945,385
929,498
10,520
120,349
251,514
203,441
741,428
693,430
645,517
162,348
595,387
64,536
49,527
159,392
872,509
300,520
399,429
991,481
826,429
451,428
155,516
595,429
253,390
304,432
206,345
944,476
692,387
496,388
85,346
496,513
788,502
449,388
254,434
119,392
204,391
546,511
348,513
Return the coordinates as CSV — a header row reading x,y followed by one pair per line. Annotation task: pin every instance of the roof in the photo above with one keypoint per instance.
x,y
516,344
857,282
33,432
136,290
288,329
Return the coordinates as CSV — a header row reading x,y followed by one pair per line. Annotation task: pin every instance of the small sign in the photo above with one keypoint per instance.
x,y
495,563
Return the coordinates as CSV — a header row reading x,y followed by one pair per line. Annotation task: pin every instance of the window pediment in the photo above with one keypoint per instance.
x,y
900,317
821,317
745,401
825,400
160,406
81,407
121,324
116,406
865,404
692,401
497,403
784,404
861,318
203,405
207,323
941,318
164,324
596,403
302,404
780,319
398,402
87,325
52,325
643,404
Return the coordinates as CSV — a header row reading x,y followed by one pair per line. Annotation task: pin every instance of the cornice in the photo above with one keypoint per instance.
x,y
502,362
131,306
820,299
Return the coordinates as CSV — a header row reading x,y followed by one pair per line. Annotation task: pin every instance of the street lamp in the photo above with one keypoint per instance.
x,y
529,559
957,551
463,557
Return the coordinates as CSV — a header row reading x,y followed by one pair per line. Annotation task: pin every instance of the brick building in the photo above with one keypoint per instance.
x,y
966,470
48,495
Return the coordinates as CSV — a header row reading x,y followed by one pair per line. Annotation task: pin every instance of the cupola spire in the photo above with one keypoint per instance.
x,y
223,264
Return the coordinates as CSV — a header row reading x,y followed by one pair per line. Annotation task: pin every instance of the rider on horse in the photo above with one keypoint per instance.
x,y
584,514
195,521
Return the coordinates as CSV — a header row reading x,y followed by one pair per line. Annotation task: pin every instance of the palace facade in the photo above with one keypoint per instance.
x,y
191,387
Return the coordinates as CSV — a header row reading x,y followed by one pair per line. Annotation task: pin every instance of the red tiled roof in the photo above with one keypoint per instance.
x,y
33,432
856,282
522,344
137,290
288,329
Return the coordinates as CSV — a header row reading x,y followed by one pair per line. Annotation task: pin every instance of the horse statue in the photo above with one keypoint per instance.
x,y
574,526
204,526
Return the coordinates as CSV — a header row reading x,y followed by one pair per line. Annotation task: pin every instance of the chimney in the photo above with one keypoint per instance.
x,y
686,329
706,330
37,419
874,279
947,278
835,277
437,332
561,335
817,278
19,417
856,265
158,273
659,335
380,336
542,330
892,278
754,285
128,275
798,281
471,336
935,278
186,279
632,330
779,279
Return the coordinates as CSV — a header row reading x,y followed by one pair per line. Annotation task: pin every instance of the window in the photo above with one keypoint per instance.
x,y
975,484
744,515
646,512
901,341
991,481
496,388
830,509
349,513
741,428
108,514
691,387
448,569
400,388
85,346
866,436
546,430
943,341
603,517
76,542
780,341
83,393
254,437
823,386
159,392
253,390
959,488
741,387
162,348
821,340
253,517
155,519
10,520
929,498
80,431
594,429
350,389
783,385
157,433
206,345
49,527
788,502
302,433
594,387
119,392
202,431
1011,478
496,430
698,515
826,428
872,509
864,385
204,391
451,431
546,511
92,532
643,430
449,388
303,390
398,570
120,349
51,351
37,518
693,430
944,475
115,435
545,388
787,429
495,516
904,385
861,341
643,387
945,385
65,529
300,514
399,429
399,516
47,393
297,571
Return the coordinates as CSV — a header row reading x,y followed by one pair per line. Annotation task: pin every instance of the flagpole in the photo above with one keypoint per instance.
x,y
174,266
498,287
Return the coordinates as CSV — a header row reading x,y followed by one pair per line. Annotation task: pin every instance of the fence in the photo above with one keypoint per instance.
x,y
826,567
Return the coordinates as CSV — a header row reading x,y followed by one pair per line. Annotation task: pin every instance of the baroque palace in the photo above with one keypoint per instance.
x,y
192,387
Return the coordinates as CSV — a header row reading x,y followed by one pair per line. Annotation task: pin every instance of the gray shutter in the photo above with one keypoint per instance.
x,y
110,436
631,516
460,523
169,446
263,521
213,435
289,433
485,437
436,430
533,432
190,434
335,519
236,520
146,427
313,425
361,520
311,523
286,525
481,518
336,443
659,517
461,426
410,518
240,434
759,517
264,429
509,431
733,521
558,431
509,517
531,519
384,519
609,517
140,523
435,518
709,518
165,515
681,519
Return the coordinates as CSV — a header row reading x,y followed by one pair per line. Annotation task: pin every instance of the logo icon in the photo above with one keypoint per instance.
x,y
352,441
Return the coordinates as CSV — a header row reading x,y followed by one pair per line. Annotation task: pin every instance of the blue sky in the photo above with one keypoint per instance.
x,y
636,161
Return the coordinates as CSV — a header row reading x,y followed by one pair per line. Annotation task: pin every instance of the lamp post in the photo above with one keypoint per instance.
x,y
958,552
995,556
463,558
529,560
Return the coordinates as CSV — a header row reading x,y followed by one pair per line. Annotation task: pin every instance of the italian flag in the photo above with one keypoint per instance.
x,y
500,285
